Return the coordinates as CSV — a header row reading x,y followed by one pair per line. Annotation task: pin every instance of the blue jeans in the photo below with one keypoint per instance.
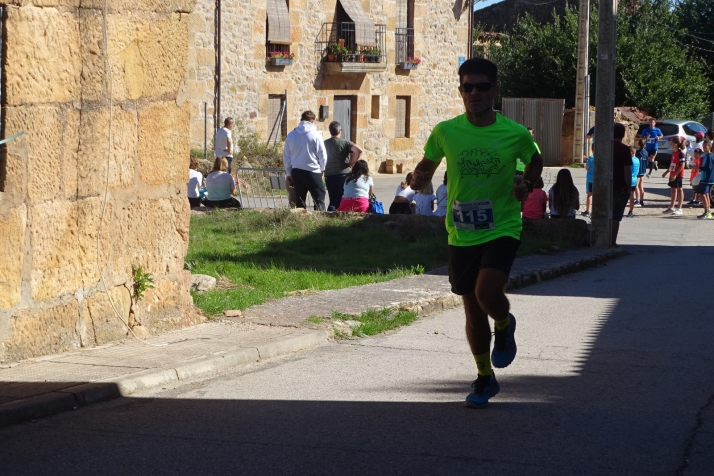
x,y
335,189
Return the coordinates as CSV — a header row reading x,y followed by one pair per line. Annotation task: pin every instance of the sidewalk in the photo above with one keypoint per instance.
x,y
42,386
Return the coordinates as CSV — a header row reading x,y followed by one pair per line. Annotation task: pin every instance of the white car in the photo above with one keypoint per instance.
x,y
672,128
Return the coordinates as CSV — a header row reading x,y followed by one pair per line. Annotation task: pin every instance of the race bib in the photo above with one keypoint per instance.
x,y
651,140
672,167
477,215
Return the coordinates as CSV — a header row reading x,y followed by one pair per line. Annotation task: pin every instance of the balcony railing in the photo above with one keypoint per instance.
x,y
404,39
351,57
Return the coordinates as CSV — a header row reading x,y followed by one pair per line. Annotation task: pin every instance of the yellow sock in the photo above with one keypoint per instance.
x,y
483,363
502,324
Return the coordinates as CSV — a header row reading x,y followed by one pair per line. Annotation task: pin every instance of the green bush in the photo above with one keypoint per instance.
x,y
255,150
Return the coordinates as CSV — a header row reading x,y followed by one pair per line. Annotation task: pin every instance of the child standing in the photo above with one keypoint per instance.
x,y
644,159
589,183
696,162
707,180
534,205
676,176
635,169
441,199
424,201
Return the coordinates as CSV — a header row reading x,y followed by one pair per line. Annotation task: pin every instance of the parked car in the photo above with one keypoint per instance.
x,y
672,128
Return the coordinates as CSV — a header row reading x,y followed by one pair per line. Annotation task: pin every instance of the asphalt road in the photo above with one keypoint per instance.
x,y
613,377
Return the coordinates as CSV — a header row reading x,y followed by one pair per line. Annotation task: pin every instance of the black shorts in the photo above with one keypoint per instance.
x,y
465,262
632,189
652,153
676,183
619,202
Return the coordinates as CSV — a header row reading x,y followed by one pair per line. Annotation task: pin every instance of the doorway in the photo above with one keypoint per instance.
x,y
343,113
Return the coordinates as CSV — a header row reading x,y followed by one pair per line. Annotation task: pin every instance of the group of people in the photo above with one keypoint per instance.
x,y
419,202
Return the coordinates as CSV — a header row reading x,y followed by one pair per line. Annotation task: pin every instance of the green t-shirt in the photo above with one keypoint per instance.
x,y
481,163
520,166
338,156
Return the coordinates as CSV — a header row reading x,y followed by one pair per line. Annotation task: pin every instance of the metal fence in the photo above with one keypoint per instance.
x,y
344,35
545,116
265,188
404,42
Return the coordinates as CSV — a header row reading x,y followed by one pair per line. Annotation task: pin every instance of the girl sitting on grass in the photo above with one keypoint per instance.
x,y
563,197
402,198
424,201
358,188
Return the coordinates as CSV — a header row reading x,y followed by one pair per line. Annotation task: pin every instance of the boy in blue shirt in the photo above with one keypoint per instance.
x,y
589,183
643,156
635,169
706,170
651,135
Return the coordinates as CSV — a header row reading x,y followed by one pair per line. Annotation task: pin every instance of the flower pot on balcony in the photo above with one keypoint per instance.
x,y
331,58
281,61
408,65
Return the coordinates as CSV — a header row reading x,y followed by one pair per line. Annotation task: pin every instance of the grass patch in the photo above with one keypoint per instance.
x,y
314,319
375,322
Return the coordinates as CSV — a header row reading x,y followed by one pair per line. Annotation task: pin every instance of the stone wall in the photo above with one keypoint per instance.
x,y
248,80
74,207
502,16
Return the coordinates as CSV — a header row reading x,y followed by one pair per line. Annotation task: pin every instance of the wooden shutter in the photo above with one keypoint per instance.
x,y
364,27
274,103
278,22
401,128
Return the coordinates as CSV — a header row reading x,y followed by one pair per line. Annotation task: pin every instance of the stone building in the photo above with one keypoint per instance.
x,y
385,108
501,17
97,183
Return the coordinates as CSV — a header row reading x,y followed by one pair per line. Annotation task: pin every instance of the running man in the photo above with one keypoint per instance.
x,y
651,136
483,216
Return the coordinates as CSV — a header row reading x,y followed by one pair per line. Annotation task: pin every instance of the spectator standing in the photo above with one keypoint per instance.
x,y
534,205
707,179
589,183
359,186
621,180
563,196
643,158
424,201
224,142
696,163
651,136
220,186
634,170
305,157
441,197
194,184
676,176
402,198
339,163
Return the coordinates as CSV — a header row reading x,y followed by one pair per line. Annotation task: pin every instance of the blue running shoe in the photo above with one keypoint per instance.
x,y
504,349
483,388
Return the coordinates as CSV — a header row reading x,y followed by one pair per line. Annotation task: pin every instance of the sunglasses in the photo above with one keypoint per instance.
x,y
480,87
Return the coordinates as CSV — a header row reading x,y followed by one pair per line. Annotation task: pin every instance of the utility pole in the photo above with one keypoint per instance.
x,y
217,100
604,106
470,7
581,97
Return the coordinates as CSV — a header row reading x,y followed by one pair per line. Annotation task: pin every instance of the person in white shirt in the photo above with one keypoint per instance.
x,y
194,184
402,198
441,199
305,157
424,201
224,142
220,186
359,186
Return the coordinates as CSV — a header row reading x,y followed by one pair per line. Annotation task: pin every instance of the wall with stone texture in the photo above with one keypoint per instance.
x,y
58,234
247,79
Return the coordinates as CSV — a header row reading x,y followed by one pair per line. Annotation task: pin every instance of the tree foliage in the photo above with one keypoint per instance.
x,y
654,71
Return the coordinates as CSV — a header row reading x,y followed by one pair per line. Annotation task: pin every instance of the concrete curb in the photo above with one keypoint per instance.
x,y
431,306
93,392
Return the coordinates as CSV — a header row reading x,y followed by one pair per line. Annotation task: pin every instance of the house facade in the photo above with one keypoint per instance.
x,y
353,62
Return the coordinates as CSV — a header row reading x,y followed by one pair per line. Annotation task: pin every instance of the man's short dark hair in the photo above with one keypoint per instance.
x,y
479,66
530,129
335,128
619,130
307,116
228,121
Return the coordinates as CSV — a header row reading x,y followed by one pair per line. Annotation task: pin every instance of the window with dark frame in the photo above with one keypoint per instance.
x,y
402,115
375,107
271,46
404,33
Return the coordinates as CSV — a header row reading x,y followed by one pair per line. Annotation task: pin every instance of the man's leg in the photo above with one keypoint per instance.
x,y
317,190
230,162
335,189
300,187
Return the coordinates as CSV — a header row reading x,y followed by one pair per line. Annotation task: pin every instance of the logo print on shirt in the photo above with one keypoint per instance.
x,y
480,162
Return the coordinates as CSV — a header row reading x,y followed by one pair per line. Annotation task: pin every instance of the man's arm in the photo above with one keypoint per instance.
x,y
356,152
287,162
321,154
423,173
628,173
229,145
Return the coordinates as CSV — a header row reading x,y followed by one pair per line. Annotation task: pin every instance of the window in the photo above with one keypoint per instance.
x,y
402,115
692,128
277,27
277,116
375,107
404,34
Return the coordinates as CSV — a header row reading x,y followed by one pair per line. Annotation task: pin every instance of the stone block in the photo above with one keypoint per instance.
x,y
397,144
276,86
196,22
42,62
205,57
403,88
94,148
12,244
35,332
295,33
389,9
162,6
168,306
69,155
163,47
107,325
164,143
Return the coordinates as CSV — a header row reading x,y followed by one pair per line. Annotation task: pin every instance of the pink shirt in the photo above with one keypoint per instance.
x,y
534,205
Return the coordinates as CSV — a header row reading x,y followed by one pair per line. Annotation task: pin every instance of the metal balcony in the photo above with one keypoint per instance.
x,y
404,42
353,58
